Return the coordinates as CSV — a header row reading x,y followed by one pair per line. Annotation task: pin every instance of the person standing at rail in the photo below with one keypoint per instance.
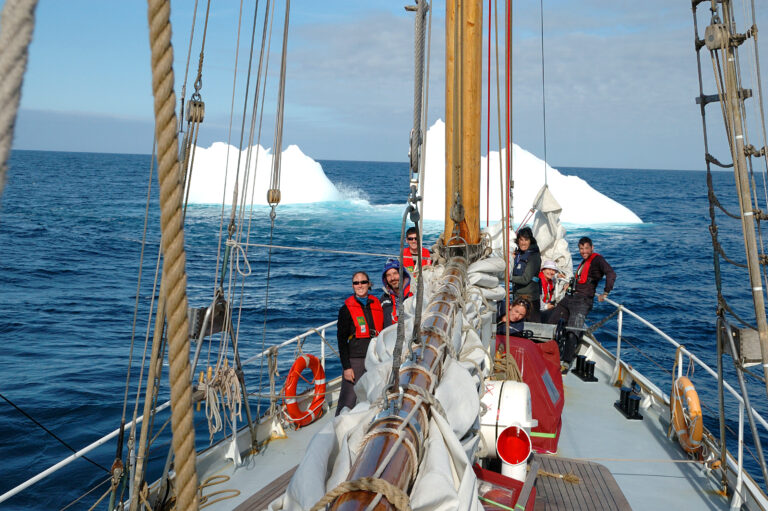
x,y
411,252
360,319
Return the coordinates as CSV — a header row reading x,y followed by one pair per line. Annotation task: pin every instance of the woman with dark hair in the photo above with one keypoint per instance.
x,y
360,319
525,270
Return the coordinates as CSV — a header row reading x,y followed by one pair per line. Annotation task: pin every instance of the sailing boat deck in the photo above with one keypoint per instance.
x,y
596,490
652,472
634,465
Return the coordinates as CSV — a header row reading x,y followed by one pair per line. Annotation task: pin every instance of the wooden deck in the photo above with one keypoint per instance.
x,y
261,500
596,489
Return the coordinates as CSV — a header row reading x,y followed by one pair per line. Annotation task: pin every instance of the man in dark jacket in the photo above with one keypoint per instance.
x,y
577,303
360,319
390,280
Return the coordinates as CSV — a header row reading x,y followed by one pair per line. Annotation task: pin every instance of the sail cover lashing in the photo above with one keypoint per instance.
x,y
451,437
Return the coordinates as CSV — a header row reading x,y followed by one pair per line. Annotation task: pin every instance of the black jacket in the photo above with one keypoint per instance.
x,y
525,273
598,268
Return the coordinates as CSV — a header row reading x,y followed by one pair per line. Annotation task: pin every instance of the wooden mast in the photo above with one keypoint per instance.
x,y
463,105
393,445
723,38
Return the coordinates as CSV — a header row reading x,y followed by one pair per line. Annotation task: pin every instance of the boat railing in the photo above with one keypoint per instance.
x,y
298,340
681,352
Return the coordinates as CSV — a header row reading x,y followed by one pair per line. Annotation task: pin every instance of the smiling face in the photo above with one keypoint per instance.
x,y
393,278
516,313
360,284
413,243
549,273
523,244
585,250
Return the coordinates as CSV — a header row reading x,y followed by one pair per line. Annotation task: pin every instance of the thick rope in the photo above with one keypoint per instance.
x,y
17,22
174,275
394,495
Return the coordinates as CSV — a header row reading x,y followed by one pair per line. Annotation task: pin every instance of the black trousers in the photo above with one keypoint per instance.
x,y
573,309
347,397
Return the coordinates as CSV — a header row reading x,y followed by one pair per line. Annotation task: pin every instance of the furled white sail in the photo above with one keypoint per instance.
x,y
550,235
451,441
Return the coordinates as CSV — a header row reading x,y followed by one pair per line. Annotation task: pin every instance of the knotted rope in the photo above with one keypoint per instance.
x,y
16,25
174,281
394,495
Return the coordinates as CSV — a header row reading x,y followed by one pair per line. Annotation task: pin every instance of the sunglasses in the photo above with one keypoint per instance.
x,y
411,239
358,282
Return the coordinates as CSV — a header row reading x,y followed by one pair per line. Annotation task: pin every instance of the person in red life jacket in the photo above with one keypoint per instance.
x,y
524,278
390,279
579,299
360,319
548,276
410,253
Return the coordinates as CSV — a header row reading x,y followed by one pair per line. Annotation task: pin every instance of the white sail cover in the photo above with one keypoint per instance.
x,y
549,234
451,441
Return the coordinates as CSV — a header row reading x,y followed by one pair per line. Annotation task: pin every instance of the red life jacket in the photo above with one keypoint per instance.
x,y
406,294
410,264
583,270
547,287
362,329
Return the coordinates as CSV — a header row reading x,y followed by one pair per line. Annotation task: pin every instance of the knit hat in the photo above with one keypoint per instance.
x,y
394,263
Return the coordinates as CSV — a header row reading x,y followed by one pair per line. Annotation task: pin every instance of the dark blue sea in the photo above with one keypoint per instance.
x,y
70,242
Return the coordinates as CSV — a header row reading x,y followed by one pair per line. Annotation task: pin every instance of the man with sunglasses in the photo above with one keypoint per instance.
x,y
360,319
411,252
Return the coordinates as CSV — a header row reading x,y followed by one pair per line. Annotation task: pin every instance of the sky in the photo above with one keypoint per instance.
x,y
620,79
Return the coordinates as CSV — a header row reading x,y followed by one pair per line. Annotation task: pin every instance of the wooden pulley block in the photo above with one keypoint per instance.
x,y
195,110
273,196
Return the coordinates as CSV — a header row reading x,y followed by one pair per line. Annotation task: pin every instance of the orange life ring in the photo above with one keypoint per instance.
x,y
688,426
295,414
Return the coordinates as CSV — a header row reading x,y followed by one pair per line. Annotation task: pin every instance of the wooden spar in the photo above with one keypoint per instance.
x,y
463,105
392,447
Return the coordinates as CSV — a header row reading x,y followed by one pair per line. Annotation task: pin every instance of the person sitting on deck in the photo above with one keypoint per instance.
x,y
525,270
548,276
519,310
410,252
390,279
579,299
360,319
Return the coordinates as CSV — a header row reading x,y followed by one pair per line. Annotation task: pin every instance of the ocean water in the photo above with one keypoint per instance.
x,y
70,240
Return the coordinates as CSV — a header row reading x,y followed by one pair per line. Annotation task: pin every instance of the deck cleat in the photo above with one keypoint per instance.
x,y
585,369
629,404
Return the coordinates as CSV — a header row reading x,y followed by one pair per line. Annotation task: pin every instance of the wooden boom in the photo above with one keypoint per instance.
x,y
392,447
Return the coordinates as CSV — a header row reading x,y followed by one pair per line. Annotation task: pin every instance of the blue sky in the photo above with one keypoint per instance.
x,y
620,80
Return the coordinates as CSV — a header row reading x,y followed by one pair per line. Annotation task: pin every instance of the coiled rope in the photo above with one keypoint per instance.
x,y
17,23
174,281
